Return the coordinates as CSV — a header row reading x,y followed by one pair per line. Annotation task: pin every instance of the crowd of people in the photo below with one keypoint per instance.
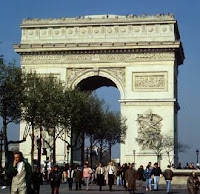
x,y
24,181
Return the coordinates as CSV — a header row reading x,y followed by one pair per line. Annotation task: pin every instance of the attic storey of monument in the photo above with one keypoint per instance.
x,y
139,55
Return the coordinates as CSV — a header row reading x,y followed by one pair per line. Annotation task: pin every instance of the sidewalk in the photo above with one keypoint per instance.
x,y
95,189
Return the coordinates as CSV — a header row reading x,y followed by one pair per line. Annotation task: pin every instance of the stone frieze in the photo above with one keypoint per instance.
x,y
92,58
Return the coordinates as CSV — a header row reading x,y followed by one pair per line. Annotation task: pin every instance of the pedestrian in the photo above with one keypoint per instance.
x,y
87,173
70,176
140,176
51,180
193,183
64,173
110,174
119,176
20,174
147,176
156,172
99,176
130,177
78,177
37,180
168,174
124,169
55,178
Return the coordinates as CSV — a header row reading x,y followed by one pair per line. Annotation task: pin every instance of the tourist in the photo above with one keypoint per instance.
x,y
179,166
156,172
99,176
193,183
151,180
124,169
168,174
20,174
87,173
78,177
51,180
110,174
191,166
186,166
119,176
37,180
55,179
64,173
130,177
147,176
70,176
140,176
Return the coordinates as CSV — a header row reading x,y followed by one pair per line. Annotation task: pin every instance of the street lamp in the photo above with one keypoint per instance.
x,y
134,151
197,153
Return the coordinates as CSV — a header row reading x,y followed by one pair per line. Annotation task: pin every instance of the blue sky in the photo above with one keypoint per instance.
x,y
185,11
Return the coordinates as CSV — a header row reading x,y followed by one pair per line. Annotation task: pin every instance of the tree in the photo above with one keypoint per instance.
x,y
11,97
83,116
31,105
114,128
42,106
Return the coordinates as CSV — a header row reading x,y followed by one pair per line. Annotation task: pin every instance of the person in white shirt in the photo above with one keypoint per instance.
x,y
20,173
99,176
110,174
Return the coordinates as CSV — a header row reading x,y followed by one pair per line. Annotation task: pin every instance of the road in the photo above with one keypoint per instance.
x,y
93,189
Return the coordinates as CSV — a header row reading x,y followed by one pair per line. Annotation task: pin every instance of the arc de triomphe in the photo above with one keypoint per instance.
x,y
139,55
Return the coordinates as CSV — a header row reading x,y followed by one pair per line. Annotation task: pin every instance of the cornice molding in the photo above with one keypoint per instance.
x,y
96,19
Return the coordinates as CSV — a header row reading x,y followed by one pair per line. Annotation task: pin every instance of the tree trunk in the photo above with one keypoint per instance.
x,y
54,146
4,117
158,159
32,144
101,151
5,142
91,148
109,150
40,148
71,146
82,149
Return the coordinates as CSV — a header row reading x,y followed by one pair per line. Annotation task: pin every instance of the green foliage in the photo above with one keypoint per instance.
x,y
114,127
11,92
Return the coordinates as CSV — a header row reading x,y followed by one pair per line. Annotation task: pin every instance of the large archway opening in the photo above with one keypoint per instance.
x,y
107,90
95,82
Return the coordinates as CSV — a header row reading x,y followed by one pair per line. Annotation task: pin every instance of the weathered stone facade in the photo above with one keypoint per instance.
x,y
137,54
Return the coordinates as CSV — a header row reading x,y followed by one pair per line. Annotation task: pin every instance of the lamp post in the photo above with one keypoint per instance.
x,y
134,151
197,153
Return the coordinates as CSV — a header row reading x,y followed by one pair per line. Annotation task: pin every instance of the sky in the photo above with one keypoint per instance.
x,y
187,14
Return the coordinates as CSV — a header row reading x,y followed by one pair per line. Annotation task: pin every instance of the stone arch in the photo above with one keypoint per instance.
x,y
101,73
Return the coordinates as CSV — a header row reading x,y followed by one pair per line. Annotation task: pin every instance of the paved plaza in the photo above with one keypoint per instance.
x,y
94,189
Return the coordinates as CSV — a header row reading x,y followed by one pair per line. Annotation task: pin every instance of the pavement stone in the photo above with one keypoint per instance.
x,y
94,189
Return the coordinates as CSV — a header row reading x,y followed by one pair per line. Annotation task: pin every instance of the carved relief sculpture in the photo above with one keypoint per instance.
x,y
150,80
149,129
